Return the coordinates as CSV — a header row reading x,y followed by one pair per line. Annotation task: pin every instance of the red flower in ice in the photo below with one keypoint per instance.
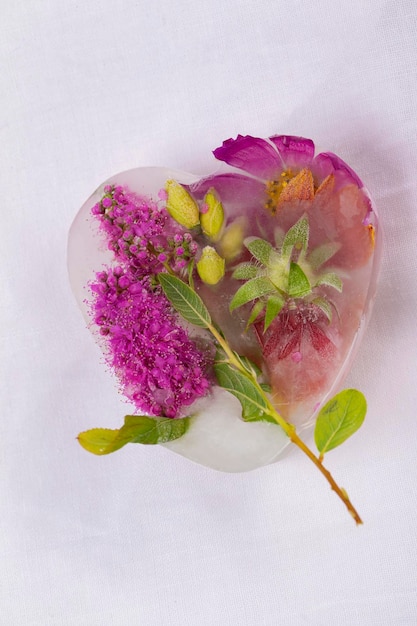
x,y
295,325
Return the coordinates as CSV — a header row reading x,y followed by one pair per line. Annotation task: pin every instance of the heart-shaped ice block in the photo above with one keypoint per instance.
x,y
314,210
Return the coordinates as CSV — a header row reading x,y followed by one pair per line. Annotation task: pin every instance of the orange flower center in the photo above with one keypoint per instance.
x,y
289,187
274,189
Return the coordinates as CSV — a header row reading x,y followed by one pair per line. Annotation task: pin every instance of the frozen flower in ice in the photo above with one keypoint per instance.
x,y
284,177
297,324
288,166
161,369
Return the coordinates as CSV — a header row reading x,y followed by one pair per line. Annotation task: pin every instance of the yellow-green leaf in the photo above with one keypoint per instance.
x,y
339,419
99,440
136,429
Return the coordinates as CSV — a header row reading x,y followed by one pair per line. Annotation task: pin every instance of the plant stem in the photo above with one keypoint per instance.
x,y
335,487
287,427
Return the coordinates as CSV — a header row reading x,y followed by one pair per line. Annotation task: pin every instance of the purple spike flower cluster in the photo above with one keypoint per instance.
x,y
141,233
161,369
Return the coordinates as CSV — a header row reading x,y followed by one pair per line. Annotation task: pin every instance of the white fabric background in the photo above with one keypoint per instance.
x,y
144,536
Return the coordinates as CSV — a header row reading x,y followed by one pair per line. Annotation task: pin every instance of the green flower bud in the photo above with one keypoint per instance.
x,y
212,218
231,244
210,267
181,206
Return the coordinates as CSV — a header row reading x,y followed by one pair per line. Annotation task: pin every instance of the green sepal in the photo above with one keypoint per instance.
x,y
298,283
296,236
340,417
322,254
325,306
330,280
259,248
136,429
254,288
273,307
255,313
244,271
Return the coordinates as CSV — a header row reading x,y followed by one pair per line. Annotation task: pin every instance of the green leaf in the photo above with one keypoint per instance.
x,y
298,283
339,419
254,404
297,236
155,430
331,280
273,307
185,300
259,248
136,429
325,306
250,366
322,253
244,271
254,288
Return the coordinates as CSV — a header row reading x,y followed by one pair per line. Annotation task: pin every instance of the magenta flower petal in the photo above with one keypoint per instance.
x,y
328,163
296,152
235,189
251,154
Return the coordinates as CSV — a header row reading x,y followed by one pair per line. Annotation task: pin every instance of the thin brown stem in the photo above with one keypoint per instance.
x,y
288,428
335,487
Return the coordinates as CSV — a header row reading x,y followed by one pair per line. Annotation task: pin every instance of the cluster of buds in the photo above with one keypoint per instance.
x,y
178,253
207,220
